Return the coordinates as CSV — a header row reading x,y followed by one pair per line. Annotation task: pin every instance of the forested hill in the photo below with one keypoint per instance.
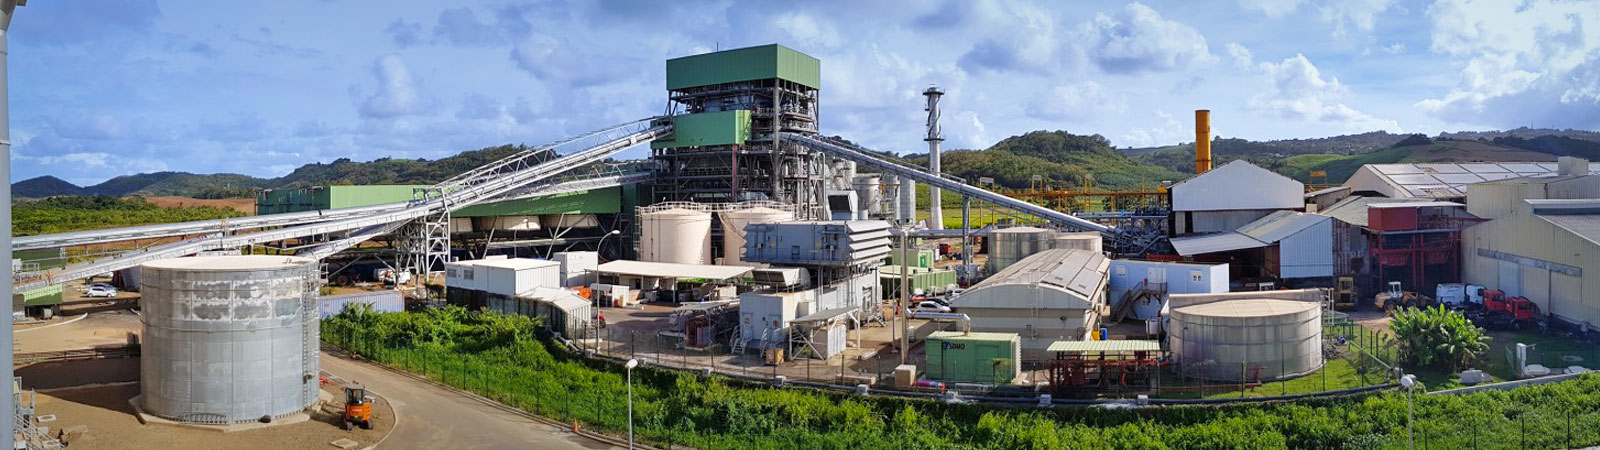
x,y
1059,158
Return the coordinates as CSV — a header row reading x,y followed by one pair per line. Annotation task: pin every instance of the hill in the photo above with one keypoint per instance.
x,y
45,186
1058,157
1339,168
1524,133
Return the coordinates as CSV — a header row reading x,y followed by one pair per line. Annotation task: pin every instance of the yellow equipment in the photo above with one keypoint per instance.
x,y
357,409
1344,293
1395,298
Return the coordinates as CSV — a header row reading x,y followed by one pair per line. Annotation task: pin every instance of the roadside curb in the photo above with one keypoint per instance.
x,y
564,426
75,319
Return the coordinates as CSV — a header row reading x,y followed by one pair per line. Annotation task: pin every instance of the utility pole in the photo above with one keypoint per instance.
x,y
905,293
8,418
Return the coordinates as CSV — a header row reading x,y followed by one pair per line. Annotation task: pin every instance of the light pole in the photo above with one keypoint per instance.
x,y
1408,382
632,363
6,8
599,245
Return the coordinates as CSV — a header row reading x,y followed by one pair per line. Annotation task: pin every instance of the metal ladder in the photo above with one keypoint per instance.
x,y
737,346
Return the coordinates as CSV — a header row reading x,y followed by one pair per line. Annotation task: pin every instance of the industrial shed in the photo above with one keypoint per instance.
x,y
1053,295
1443,181
1231,196
1283,244
1547,250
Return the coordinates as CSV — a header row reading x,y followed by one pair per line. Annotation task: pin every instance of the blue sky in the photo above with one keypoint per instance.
x,y
101,88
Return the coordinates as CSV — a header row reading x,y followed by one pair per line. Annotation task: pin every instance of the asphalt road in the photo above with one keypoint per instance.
x,y
434,418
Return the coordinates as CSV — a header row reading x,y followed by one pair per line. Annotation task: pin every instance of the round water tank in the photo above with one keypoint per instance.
x,y
1088,240
228,339
675,236
733,223
1014,244
1247,338
869,193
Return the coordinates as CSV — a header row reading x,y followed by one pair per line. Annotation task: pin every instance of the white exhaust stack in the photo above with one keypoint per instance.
x,y
935,210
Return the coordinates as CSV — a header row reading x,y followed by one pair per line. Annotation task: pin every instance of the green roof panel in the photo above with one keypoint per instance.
x,y
744,64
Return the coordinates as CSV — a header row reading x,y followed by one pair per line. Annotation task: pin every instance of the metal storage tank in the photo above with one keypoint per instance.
x,y
869,194
675,235
1013,244
1229,339
1089,240
733,223
229,339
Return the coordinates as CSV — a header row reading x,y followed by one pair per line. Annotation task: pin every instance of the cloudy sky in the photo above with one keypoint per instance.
x,y
101,88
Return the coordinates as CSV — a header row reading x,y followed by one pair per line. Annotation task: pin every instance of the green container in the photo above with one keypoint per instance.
x,y
45,296
707,129
989,358
598,201
919,257
275,201
927,280
744,64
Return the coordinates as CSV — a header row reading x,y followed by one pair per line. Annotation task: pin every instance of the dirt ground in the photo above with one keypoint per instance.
x,y
105,328
244,205
109,423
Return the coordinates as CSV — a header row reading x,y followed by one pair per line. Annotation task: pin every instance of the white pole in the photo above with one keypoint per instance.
x,y
935,209
7,419
631,364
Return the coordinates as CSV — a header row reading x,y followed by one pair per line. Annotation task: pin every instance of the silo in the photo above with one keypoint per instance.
x,y
1013,244
1088,240
228,339
868,193
675,235
733,223
1247,337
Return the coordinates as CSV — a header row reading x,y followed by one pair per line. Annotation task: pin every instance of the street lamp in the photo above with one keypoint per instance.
x,y
7,7
632,363
599,245
1408,383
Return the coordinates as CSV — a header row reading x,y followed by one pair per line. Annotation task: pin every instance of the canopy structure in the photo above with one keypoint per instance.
x,y
673,270
1104,346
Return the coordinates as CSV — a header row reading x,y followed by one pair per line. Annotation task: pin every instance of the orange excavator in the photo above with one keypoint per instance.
x,y
357,408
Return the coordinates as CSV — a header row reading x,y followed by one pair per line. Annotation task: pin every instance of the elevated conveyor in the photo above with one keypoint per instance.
x,y
866,157
479,185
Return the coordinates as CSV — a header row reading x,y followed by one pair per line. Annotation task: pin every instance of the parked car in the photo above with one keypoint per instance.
x,y
929,306
98,291
103,286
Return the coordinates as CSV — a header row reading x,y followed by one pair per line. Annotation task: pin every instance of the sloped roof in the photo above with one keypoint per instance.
x,y
1447,180
1215,242
1586,226
673,270
1259,233
1237,185
1353,210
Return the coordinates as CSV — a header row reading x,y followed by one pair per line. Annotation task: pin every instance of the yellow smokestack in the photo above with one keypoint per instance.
x,y
1202,141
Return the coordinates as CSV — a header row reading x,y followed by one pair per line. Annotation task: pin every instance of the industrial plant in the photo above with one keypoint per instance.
x,y
752,244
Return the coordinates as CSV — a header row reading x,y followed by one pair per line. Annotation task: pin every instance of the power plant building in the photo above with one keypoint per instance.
x,y
1050,296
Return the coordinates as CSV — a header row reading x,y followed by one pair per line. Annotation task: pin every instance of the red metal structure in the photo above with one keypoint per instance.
x,y
1417,244
1093,371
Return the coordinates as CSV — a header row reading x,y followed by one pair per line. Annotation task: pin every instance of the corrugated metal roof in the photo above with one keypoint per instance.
x,y
1445,180
973,336
1586,226
1079,271
511,263
1237,185
1279,225
1215,242
673,270
1104,346
1421,204
1353,210
824,316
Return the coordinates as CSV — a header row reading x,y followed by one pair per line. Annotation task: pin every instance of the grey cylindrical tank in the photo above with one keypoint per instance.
x,y
229,339
1269,338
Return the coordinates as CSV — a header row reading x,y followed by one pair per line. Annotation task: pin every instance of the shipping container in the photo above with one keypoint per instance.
x,y
991,358
1391,217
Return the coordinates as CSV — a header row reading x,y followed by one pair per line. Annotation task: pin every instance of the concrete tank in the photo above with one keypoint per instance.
x,y
675,235
1088,240
229,339
1012,244
733,223
869,194
1225,339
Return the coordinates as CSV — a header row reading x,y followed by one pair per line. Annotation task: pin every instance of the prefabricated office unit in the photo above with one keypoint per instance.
x,y
918,257
503,276
1242,335
1162,276
1050,296
767,315
926,280
229,339
956,357
578,268
1230,196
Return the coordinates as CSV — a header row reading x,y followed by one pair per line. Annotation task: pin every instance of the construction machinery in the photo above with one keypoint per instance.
x,y
357,407
1344,294
1395,298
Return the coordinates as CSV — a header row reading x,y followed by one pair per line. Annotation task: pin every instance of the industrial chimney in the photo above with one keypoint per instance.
x,y
1202,141
935,210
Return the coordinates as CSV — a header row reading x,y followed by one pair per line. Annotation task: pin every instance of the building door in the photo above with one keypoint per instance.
x,y
1510,278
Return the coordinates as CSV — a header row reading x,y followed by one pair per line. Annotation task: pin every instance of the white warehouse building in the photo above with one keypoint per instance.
x,y
1542,242
1231,196
1053,295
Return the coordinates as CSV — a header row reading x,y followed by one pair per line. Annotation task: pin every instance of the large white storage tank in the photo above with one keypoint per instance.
x,y
733,223
1231,338
1088,240
869,193
228,339
1012,244
675,235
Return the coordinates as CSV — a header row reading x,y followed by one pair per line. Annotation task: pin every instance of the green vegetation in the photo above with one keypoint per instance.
x,y
1061,159
63,214
500,357
1437,337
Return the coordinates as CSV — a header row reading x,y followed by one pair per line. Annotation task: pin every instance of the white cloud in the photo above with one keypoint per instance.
x,y
1301,94
1534,61
809,31
1395,48
1361,15
1076,101
1272,8
1016,37
1168,131
966,130
1138,40
397,91
1240,55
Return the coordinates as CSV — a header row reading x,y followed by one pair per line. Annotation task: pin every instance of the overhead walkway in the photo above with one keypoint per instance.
x,y
485,183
